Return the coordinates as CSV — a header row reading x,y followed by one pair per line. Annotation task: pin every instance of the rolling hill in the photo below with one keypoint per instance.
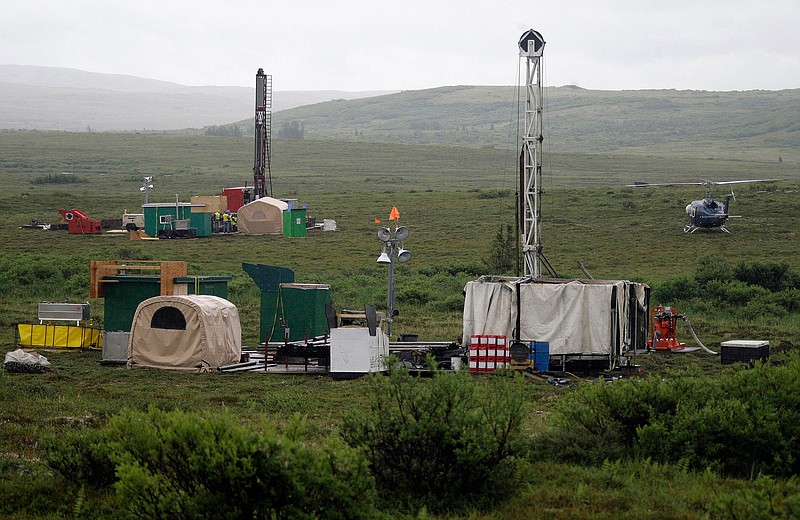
x,y
51,98
759,124
574,118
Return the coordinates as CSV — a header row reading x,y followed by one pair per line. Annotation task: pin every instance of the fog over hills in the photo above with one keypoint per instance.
x,y
51,98
44,98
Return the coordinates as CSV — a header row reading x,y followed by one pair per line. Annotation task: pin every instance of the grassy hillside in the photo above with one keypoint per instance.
x,y
454,200
574,118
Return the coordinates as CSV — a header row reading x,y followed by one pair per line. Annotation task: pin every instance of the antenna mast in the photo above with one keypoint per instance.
x,y
262,169
531,47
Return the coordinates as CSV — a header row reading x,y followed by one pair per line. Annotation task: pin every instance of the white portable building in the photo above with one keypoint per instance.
x,y
584,319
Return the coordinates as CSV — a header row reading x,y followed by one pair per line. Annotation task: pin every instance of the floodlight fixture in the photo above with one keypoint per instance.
x,y
384,235
531,43
384,258
403,255
147,185
401,233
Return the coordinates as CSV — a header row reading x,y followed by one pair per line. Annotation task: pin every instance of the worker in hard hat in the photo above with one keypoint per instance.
x,y
216,219
234,222
226,221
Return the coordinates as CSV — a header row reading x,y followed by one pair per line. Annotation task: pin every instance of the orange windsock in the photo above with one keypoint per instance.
x,y
394,215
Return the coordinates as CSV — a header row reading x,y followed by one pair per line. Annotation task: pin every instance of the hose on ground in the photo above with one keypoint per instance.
x,y
691,331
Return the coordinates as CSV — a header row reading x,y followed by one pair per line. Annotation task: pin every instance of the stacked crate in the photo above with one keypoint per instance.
x,y
488,352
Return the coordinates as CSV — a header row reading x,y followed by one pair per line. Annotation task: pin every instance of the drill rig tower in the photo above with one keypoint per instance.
x,y
262,172
531,47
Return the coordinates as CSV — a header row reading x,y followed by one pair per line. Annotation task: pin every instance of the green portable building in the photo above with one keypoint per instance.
x,y
168,216
296,309
294,223
124,293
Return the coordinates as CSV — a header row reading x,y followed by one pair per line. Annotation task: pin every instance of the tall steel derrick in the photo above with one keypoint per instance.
x,y
262,170
531,47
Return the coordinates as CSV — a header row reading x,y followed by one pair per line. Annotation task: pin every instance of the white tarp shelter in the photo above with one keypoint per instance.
x,y
193,333
576,317
263,216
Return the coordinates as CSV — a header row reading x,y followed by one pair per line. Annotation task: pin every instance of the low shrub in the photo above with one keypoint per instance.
x,y
83,457
44,277
774,276
713,268
675,290
745,290
443,443
765,498
185,465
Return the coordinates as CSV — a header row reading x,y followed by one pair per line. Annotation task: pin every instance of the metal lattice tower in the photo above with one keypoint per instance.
x,y
262,168
531,47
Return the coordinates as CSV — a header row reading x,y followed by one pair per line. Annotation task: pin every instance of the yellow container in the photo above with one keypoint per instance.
x,y
59,336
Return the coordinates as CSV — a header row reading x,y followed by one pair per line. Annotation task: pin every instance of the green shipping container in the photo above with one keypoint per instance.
x,y
123,294
201,222
300,307
156,216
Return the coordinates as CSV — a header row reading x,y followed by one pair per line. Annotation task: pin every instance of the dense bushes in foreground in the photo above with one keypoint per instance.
x,y
451,443
740,424
443,443
446,443
185,465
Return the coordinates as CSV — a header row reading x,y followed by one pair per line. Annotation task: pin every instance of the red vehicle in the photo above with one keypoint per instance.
x,y
79,223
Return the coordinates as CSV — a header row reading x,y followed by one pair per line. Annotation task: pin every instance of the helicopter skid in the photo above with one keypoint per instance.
x,y
690,228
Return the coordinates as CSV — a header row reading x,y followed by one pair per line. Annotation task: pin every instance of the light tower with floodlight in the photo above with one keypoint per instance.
x,y
392,248
147,185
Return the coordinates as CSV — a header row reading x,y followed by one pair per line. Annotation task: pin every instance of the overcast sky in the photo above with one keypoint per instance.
x,y
357,45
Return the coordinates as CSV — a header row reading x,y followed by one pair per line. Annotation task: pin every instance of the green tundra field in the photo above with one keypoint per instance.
x,y
455,200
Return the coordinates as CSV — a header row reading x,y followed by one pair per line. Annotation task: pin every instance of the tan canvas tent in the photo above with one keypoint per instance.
x,y
194,333
263,216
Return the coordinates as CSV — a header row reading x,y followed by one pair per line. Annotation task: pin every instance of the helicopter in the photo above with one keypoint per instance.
x,y
706,212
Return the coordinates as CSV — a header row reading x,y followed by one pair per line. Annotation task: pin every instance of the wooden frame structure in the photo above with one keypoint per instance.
x,y
168,271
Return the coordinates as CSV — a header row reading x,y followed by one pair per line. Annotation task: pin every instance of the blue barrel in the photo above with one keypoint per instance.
x,y
541,355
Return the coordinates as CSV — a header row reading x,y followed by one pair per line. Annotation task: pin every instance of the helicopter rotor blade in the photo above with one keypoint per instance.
x,y
649,184
748,180
700,183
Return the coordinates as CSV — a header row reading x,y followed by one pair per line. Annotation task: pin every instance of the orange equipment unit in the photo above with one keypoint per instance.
x,y
79,223
663,323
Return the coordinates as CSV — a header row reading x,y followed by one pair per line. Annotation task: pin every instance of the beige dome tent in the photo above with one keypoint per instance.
x,y
194,333
263,216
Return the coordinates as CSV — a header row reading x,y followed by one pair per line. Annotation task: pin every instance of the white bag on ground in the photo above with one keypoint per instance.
x,y
26,358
